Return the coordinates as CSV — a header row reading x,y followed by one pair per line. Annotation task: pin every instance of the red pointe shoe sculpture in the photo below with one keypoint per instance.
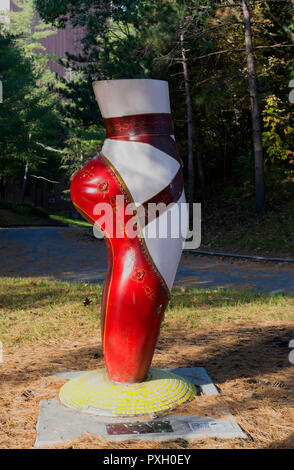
x,y
139,164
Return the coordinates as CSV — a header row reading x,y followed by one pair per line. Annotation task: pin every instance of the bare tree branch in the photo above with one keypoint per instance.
x,y
50,148
226,51
43,178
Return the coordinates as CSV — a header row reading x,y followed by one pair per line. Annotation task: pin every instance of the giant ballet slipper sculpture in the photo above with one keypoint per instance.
x,y
139,164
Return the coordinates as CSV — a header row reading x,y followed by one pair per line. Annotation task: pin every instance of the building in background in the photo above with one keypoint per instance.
x,y
41,193
67,40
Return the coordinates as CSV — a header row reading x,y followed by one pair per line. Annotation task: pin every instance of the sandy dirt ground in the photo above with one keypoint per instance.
x,y
248,363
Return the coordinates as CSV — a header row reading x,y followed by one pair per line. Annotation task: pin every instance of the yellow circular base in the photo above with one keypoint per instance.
x,y
95,393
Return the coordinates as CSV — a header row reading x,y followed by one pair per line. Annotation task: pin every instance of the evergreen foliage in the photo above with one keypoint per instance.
x,y
130,39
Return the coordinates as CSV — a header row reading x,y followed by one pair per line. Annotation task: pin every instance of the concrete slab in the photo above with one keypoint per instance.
x,y
199,377
56,423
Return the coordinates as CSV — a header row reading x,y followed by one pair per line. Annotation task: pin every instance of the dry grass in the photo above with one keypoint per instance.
x,y
33,309
245,351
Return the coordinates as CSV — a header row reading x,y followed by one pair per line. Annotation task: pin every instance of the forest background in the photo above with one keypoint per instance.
x,y
229,65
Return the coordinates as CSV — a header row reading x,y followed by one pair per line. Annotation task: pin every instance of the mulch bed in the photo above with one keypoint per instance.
x,y
248,363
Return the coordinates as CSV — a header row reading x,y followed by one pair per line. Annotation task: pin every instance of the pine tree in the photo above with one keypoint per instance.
x,y
32,143
17,80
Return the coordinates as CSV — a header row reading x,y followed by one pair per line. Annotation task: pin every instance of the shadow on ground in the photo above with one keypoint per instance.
x,y
249,364
227,355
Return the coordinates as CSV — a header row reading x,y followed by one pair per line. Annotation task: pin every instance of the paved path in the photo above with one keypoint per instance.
x,y
68,253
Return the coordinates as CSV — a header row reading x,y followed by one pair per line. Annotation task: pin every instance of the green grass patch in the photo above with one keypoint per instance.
x,y
68,220
27,214
33,309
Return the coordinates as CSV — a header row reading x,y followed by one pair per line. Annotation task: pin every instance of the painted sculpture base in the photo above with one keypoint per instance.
x,y
60,424
93,392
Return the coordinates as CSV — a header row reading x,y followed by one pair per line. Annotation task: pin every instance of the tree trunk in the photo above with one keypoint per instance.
x,y
255,116
24,184
192,136
200,171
